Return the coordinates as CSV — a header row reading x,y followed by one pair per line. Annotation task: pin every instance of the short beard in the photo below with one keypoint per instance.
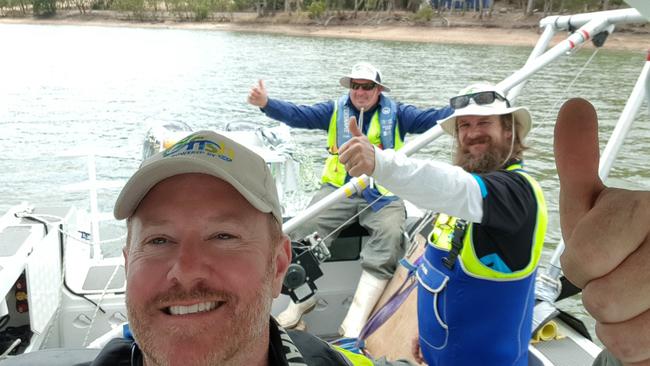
x,y
492,160
248,323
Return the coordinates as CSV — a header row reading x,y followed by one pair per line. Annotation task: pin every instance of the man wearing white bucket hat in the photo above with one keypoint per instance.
x,y
476,282
386,124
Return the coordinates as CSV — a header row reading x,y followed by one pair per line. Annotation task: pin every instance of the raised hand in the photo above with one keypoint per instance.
x,y
358,154
258,95
606,234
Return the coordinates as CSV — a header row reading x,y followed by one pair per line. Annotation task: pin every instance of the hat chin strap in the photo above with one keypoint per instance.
x,y
512,142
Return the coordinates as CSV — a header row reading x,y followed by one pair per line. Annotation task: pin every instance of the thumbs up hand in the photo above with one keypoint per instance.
x,y
258,95
606,233
358,154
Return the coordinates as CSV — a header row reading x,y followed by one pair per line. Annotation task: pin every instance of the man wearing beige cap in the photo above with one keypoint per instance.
x,y
386,123
477,277
204,258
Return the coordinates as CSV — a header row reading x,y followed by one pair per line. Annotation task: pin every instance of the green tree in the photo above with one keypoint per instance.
x,y
316,9
135,7
44,8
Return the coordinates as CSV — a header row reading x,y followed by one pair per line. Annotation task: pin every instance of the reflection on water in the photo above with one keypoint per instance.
x,y
64,87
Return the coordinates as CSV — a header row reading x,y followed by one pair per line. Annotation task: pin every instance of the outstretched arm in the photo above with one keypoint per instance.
x,y
429,184
606,233
316,116
415,120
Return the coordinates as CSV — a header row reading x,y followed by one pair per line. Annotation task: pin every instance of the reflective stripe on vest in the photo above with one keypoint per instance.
x,y
355,359
382,132
444,226
471,314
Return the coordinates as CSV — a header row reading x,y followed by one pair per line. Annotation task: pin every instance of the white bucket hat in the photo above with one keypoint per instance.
x,y
364,71
210,153
521,115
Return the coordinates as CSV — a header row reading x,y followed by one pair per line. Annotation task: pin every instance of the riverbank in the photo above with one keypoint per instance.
x,y
499,29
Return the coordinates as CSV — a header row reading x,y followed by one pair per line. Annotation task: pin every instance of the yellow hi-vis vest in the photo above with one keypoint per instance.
x,y
444,227
469,313
382,132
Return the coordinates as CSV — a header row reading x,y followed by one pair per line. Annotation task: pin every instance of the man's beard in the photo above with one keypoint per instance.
x,y
243,329
493,159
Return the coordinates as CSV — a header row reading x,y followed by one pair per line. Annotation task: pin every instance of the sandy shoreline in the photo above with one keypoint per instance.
x,y
471,35
454,35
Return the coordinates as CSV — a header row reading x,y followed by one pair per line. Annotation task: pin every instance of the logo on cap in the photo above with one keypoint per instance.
x,y
197,144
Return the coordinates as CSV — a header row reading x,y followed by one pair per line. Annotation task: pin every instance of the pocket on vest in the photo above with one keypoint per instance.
x,y
432,318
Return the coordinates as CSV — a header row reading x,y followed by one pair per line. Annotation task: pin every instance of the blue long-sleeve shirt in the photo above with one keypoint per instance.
x,y
317,117
410,119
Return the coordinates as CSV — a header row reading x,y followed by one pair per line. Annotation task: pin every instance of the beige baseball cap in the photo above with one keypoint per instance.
x,y
210,153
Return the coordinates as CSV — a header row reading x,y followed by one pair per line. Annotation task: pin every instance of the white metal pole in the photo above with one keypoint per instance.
x,y
621,16
353,186
577,38
540,47
94,207
356,184
622,128
613,147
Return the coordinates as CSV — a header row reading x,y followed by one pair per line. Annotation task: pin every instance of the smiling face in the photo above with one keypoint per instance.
x,y
483,143
362,98
202,266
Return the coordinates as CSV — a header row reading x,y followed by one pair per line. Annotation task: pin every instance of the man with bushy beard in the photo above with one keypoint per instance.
x,y
476,279
204,258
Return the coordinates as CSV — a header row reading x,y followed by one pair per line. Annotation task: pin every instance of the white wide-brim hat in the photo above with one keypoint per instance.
x,y
205,152
521,115
363,71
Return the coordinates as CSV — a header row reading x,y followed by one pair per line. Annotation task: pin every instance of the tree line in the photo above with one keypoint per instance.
x,y
218,10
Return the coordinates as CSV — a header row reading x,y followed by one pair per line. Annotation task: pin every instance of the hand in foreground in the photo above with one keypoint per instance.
x,y
606,234
358,154
258,95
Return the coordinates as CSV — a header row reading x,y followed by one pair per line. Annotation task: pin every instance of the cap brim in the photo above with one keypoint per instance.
x,y
521,115
347,80
148,176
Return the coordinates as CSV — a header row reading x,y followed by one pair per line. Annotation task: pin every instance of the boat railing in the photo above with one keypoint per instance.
x,y
93,185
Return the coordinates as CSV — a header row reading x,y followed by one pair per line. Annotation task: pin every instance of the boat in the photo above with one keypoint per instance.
x,y
59,293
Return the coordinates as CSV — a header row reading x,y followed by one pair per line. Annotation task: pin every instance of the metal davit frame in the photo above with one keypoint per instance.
x,y
584,27
590,24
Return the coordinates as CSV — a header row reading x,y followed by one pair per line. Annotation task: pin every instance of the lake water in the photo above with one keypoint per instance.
x,y
70,87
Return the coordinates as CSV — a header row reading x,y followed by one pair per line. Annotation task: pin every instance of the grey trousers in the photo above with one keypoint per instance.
x,y
385,246
606,359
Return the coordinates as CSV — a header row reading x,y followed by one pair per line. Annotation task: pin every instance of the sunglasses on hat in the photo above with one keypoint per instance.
x,y
364,86
480,98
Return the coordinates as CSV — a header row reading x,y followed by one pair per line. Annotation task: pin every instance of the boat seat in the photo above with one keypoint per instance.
x,y
347,246
53,357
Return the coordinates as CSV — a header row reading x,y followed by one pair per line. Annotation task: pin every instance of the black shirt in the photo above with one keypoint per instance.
x,y
509,219
298,347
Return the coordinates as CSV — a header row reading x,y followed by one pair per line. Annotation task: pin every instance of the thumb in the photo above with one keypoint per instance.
x,y
261,84
354,128
576,158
